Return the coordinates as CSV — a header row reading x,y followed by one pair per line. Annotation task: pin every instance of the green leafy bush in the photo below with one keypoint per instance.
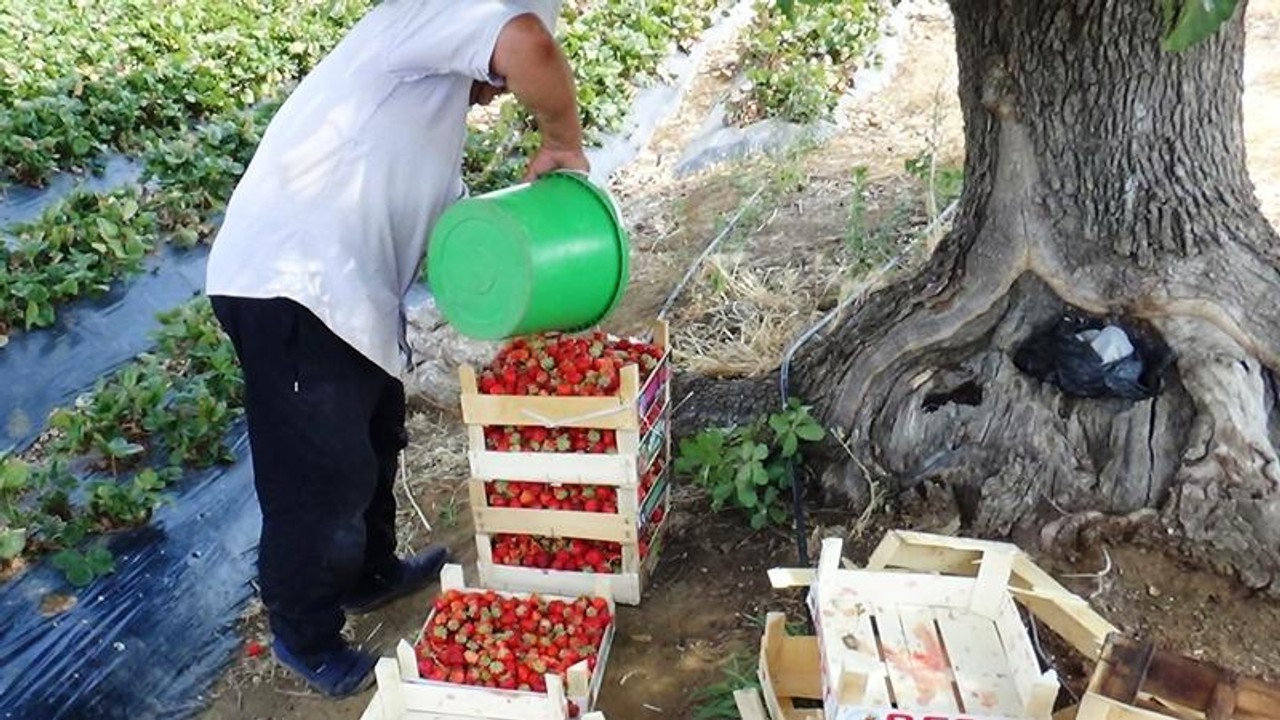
x,y
182,399
82,568
614,47
745,467
78,79
76,247
196,171
798,64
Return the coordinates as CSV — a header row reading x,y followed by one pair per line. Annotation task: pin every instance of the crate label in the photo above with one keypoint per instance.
x,y
654,390
652,443
850,712
654,498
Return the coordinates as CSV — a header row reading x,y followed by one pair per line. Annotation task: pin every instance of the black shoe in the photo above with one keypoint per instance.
x,y
337,673
412,575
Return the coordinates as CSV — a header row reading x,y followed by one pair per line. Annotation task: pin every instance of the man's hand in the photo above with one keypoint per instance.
x,y
550,158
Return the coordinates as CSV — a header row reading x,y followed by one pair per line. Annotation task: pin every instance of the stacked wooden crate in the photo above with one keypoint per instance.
x,y
637,471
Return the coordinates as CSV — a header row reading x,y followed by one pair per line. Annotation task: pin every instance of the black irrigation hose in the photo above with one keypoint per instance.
x,y
688,275
797,493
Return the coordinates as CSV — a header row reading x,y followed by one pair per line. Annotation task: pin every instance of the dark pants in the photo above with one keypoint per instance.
x,y
326,426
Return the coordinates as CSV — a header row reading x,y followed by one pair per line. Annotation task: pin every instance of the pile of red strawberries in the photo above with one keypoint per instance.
x,y
548,553
562,365
569,554
559,364
576,498
485,639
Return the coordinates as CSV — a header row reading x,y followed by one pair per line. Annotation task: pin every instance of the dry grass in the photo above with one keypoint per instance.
x,y
434,472
804,246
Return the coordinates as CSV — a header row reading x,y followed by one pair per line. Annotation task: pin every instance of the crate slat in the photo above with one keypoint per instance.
x,y
624,587
578,468
612,527
790,668
931,671
986,687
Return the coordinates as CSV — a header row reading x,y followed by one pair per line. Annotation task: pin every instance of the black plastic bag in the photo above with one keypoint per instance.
x,y
1060,355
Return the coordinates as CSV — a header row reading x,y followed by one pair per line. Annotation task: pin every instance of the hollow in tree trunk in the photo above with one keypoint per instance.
x,y
1102,173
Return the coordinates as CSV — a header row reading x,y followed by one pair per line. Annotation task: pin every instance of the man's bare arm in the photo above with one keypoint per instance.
x,y
537,73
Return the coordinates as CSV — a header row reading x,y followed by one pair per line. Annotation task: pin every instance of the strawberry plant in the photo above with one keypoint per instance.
x,y
118,504
76,247
182,399
14,478
798,64
485,639
745,467
118,74
82,568
196,171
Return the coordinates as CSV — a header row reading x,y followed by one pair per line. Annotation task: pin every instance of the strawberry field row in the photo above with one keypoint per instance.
x,y
136,430
87,241
797,66
614,48
82,79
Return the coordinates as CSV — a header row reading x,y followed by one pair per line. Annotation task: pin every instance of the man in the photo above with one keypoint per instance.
x,y
322,238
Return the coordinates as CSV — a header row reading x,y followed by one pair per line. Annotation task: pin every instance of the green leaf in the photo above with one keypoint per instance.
x,y
759,475
720,493
747,495
789,445
759,519
14,474
1189,22
119,448
771,495
78,574
107,228
12,542
810,432
100,561
779,423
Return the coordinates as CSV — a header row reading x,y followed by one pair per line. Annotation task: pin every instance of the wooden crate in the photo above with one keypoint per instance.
x,y
1065,613
1135,681
628,412
790,669
909,646
626,586
403,694
640,415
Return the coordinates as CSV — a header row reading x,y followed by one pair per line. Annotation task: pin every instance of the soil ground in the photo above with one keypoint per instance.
x,y
814,231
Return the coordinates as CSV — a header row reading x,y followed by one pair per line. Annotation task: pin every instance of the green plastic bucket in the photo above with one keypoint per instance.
x,y
546,255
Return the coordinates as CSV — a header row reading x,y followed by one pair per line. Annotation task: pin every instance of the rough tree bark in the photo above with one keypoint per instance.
x,y
1106,174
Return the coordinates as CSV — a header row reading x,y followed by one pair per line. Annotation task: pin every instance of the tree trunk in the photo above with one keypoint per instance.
x,y
1106,174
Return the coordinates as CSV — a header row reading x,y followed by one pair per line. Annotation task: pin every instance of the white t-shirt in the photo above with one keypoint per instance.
x,y
355,168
